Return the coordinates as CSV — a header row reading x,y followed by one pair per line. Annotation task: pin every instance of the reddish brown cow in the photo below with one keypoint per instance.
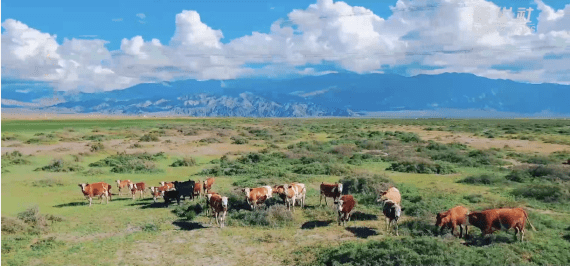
x,y
492,220
197,189
256,196
301,192
157,192
345,206
122,184
207,184
453,217
137,187
208,197
100,189
331,191
219,206
287,193
169,185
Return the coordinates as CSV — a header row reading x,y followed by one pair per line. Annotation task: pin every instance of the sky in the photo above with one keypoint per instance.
x,y
93,46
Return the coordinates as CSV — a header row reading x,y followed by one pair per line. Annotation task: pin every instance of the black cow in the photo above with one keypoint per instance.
x,y
185,188
174,194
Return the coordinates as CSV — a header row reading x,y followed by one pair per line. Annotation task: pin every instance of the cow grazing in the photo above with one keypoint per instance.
x,y
392,211
169,185
137,187
207,184
345,205
158,192
256,196
100,189
198,189
287,194
208,197
219,206
122,184
331,191
489,221
452,218
392,194
301,192
185,188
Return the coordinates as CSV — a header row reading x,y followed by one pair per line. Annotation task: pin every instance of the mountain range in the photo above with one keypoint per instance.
x,y
335,94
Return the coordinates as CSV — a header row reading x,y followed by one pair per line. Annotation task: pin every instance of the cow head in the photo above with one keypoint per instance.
x,y
132,186
161,183
118,182
225,203
441,219
269,191
83,185
476,219
339,204
246,191
339,188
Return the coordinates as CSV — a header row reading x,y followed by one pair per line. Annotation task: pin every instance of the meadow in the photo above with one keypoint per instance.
x,y
435,163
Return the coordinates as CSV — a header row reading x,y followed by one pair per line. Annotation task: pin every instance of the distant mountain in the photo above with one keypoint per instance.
x,y
341,94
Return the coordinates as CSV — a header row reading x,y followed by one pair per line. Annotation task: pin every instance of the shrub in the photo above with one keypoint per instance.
x,y
549,193
483,179
149,138
46,244
60,166
239,140
14,157
149,227
473,198
13,225
210,140
343,150
97,146
128,163
421,167
48,182
188,212
134,146
273,216
186,161
366,186
551,173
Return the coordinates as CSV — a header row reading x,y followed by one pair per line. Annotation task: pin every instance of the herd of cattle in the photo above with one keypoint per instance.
x,y
488,221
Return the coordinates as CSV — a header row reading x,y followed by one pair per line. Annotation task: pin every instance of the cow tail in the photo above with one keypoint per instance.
x,y
528,220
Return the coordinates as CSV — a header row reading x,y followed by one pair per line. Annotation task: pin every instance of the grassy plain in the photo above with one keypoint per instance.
x,y
436,164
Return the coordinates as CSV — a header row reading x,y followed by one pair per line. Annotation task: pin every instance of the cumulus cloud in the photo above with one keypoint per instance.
x,y
423,36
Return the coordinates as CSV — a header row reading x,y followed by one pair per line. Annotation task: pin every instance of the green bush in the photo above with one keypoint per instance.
x,y
273,216
93,172
239,140
149,138
97,146
483,179
548,193
128,163
97,138
186,161
422,167
60,166
210,140
46,244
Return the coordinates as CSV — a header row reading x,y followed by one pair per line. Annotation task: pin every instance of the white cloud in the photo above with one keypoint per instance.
x,y
117,19
141,15
448,35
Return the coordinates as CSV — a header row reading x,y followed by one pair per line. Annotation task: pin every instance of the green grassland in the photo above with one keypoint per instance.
x,y
46,219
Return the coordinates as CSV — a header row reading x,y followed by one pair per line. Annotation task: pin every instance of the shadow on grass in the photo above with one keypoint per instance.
x,y
188,226
72,204
360,216
566,237
315,224
361,232
149,205
479,241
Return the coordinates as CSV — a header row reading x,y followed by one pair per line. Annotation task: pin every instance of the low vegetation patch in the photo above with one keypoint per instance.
x,y
30,221
97,146
131,163
422,167
273,216
186,161
149,138
483,179
14,158
60,165
48,182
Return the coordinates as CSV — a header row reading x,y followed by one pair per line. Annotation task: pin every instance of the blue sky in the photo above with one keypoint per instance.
x,y
93,46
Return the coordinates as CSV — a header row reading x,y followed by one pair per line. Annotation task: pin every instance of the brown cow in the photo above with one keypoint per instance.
x,y
345,206
122,184
256,196
392,194
301,192
158,192
169,185
100,189
137,187
197,189
331,191
207,184
492,220
208,197
219,206
287,193
453,217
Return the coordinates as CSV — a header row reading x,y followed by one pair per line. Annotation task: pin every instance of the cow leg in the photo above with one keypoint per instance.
x,y
460,231
396,224
320,200
90,199
387,223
